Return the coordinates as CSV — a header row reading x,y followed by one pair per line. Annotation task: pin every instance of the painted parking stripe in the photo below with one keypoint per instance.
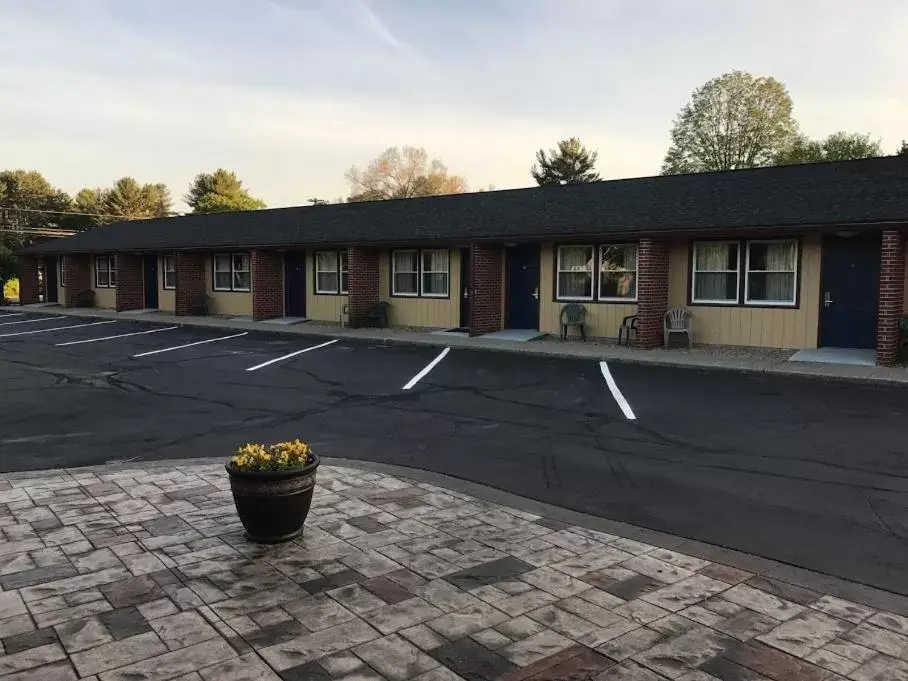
x,y
292,354
12,314
431,365
189,345
56,328
30,321
122,335
616,392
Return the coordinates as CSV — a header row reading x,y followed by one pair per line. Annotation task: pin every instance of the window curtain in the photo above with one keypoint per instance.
x,y
435,277
618,272
716,285
406,272
326,271
575,272
775,276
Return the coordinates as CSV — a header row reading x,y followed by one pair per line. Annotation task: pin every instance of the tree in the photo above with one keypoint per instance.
x,y
839,146
734,121
570,163
904,150
402,174
9,266
315,201
129,199
220,192
29,203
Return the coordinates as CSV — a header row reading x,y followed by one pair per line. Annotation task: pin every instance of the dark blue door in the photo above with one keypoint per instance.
x,y
849,291
295,284
50,280
151,281
464,288
522,267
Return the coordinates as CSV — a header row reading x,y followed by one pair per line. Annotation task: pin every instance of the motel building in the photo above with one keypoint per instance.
x,y
806,256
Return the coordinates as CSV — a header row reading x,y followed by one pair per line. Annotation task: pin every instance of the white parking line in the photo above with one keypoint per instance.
x,y
30,321
616,393
292,354
122,335
12,314
431,365
189,345
56,328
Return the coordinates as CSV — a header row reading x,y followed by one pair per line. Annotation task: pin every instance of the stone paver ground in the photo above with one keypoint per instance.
x,y
144,575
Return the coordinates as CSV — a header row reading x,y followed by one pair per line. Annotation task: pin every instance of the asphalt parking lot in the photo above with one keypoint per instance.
x,y
797,470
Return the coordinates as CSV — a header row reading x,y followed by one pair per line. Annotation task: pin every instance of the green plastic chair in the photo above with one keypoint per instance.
x,y
573,314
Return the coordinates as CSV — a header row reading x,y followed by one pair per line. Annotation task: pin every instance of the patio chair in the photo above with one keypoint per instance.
x,y
678,320
573,314
628,325
378,315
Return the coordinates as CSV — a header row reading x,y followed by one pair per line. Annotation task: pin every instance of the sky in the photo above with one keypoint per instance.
x,y
291,93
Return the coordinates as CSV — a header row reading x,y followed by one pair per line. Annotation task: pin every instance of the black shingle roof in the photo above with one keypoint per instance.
x,y
852,192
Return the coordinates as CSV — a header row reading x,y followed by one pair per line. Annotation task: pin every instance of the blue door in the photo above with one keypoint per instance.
x,y
522,272
295,284
150,263
849,291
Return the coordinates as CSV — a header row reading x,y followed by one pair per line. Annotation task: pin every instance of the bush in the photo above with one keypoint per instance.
x,y
85,298
10,290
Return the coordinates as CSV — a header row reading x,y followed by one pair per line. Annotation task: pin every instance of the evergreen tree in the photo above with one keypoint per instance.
x,y
570,163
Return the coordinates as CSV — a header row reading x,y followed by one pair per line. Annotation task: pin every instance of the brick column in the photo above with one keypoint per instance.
x,y
267,284
190,275
28,280
130,282
652,292
892,297
362,284
485,288
77,278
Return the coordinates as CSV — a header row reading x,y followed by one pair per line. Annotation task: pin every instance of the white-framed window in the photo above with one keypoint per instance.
x,y
772,272
435,274
715,272
574,276
105,271
405,273
62,277
231,272
331,272
169,271
618,272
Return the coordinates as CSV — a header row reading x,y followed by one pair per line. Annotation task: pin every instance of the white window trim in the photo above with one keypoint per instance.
x,y
772,303
618,299
558,271
694,271
164,259
336,271
110,268
233,270
61,279
423,272
343,267
417,272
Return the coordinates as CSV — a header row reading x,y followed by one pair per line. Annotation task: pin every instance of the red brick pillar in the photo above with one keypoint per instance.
x,y
28,280
77,278
130,282
190,277
267,284
892,297
485,288
652,292
362,284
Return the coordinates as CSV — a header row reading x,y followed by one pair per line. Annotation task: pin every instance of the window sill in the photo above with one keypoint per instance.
x,y
231,290
405,295
749,306
626,301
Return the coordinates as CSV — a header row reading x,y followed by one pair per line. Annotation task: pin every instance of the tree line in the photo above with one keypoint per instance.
x,y
734,121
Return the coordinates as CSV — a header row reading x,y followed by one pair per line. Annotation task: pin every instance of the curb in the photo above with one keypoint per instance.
x,y
763,568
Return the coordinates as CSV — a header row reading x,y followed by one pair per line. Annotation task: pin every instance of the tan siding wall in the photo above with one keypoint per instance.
x,y
318,307
166,297
226,303
429,313
603,319
753,326
104,297
61,292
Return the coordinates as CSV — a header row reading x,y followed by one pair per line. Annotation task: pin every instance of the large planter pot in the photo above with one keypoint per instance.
x,y
273,505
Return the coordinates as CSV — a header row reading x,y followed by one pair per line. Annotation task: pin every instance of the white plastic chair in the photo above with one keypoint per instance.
x,y
678,321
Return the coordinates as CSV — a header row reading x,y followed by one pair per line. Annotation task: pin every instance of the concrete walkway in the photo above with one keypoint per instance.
x,y
750,360
142,573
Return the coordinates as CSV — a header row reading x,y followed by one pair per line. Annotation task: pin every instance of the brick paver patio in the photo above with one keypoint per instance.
x,y
135,574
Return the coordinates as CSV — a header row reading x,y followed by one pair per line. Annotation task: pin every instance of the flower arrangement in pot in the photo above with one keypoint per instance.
x,y
272,488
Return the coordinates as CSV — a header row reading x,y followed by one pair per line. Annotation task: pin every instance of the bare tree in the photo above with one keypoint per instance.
x,y
402,174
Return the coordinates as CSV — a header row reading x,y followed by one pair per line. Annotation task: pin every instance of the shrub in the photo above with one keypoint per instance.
x,y
10,289
280,456
85,298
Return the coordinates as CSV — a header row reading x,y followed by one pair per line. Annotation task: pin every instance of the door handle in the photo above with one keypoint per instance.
x,y
827,299
536,293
